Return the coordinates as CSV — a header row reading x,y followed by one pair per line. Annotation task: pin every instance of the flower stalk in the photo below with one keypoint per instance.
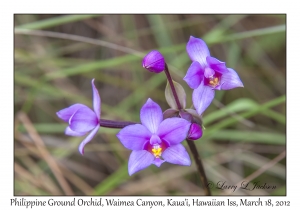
x,y
115,124
191,144
172,86
200,167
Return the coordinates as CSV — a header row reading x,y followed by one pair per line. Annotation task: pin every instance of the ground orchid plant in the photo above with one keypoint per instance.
x,y
158,137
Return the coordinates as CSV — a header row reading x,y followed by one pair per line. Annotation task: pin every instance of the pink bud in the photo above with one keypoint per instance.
x,y
154,61
195,132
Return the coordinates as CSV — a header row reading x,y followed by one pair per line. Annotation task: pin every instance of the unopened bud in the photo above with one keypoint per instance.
x,y
154,61
195,132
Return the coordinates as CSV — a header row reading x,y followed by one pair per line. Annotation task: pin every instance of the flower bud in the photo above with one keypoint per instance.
x,y
154,61
195,132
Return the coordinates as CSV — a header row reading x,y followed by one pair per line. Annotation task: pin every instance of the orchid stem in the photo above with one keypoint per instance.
x,y
191,144
115,124
199,166
172,86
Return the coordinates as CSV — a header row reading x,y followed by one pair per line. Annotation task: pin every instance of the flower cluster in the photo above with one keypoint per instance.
x,y
157,139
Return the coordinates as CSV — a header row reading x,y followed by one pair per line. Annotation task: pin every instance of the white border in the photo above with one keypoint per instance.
x,y
154,6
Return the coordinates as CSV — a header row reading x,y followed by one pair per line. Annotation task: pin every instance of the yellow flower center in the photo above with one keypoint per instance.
x,y
156,151
214,81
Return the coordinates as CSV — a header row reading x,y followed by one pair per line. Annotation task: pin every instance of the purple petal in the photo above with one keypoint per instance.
x,y
88,139
66,113
154,61
231,80
197,50
173,130
70,132
139,160
202,97
208,72
177,154
83,120
158,162
134,137
194,75
195,132
96,101
217,65
151,115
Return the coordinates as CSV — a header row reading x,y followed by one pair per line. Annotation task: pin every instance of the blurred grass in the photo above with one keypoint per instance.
x,y
55,21
56,56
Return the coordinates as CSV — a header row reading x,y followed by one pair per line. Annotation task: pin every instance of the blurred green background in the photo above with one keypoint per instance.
x,y
56,56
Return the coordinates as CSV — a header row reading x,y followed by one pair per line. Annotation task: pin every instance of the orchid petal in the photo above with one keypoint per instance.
x,y
70,132
177,154
83,120
151,115
134,137
66,113
216,65
202,97
88,139
230,80
197,50
194,75
173,130
139,160
158,162
96,101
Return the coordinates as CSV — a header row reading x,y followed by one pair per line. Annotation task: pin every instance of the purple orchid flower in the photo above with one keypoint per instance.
x,y
207,74
155,138
82,119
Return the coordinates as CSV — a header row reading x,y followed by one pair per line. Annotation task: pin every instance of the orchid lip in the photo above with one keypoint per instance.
x,y
156,149
213,80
